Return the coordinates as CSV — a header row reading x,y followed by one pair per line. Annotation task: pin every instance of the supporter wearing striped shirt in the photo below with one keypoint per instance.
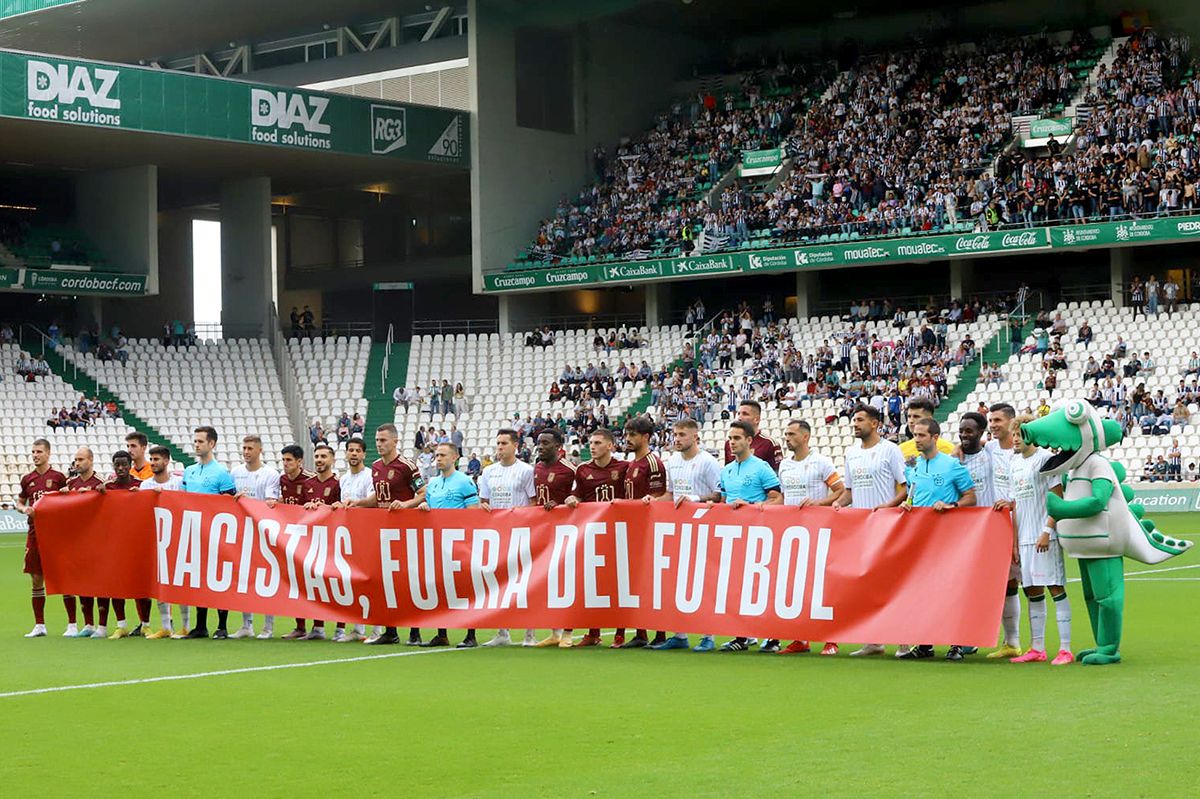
x,y
874,474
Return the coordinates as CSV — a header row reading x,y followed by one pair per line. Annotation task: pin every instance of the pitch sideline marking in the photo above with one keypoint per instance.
x,y
224,672
221,672
1135,574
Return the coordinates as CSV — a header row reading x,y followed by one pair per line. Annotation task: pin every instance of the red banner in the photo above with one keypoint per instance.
x,y
812,573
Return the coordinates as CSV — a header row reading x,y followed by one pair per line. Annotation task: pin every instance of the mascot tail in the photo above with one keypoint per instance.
x,y
1151,546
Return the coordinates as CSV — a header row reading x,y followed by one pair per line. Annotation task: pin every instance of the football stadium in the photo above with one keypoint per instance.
x,y
507,398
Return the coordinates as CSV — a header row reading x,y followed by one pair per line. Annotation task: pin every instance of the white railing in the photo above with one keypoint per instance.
x,y
288,382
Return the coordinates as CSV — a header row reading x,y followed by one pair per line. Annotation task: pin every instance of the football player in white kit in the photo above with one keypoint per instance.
x,y
972,453
355,484
1041,556
161,479
875,475
507,483
1000,448
693,474
254,479
809,479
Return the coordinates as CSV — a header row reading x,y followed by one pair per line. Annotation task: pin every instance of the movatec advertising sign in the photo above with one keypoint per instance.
x,y
70,91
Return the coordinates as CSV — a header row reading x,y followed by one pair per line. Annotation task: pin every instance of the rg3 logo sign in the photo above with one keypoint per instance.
x,y
389,131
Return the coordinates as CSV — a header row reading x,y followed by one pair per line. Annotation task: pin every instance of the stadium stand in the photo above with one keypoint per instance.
x,y
508,383
1150,427
27,404
643,198
230,384
846,176
330,373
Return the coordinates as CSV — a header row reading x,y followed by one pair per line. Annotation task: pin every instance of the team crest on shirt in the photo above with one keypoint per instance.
x,y
327,491
390,473
614,474
550,477
938,480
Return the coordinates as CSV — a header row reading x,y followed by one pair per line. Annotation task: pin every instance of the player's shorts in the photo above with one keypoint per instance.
x,y
33,558
1042,568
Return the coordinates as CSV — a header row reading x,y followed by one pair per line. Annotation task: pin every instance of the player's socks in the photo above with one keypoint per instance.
x,y
118,606
185,613
1037,622
102,604
201,619
222,620
143,611
88,605
164,616
247,621
1062,617
1011,619
69,606
37,598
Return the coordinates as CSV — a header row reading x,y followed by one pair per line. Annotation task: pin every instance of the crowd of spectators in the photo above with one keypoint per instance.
x,y
900,143
30,369
647,192
83,413
442,398
346,428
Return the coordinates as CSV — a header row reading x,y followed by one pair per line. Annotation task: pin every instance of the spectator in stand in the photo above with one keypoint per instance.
x,y
357,424
316,432
400,397
343,428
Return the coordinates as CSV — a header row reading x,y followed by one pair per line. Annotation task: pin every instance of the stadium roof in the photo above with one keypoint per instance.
x,y
131,30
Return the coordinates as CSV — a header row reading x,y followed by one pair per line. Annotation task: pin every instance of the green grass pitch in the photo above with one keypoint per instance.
x,y
517,722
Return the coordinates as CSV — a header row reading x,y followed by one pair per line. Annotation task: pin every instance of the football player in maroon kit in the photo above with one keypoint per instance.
x,y
41,481
84,478
294,489
760,446
123,480
645,479
324,489
398,485
554,482
602,479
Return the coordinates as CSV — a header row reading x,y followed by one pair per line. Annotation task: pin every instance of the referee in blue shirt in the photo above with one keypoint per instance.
x,y
207,476
451,489
937,481
747,480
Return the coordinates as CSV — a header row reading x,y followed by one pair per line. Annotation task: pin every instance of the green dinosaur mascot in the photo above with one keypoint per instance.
x,y
1097,524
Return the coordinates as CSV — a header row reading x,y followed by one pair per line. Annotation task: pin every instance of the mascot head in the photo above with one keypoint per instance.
x,y
1073,431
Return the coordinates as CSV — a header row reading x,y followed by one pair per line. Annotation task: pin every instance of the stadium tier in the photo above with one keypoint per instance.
x,y
1150,355
27,405
231,385
506,383
842,173
330,373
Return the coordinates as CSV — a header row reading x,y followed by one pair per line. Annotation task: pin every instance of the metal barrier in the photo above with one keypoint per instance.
x,y
444,326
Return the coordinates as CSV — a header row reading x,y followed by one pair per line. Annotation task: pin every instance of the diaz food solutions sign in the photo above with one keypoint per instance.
x,y
70,91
